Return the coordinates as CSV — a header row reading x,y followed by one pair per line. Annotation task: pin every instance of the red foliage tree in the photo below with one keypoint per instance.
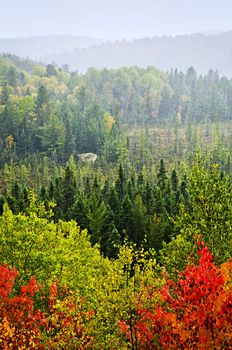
x,y
195,311
66,325
19,321
68,321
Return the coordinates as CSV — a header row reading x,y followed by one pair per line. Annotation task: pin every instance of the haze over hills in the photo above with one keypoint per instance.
x,y
39,46
203,52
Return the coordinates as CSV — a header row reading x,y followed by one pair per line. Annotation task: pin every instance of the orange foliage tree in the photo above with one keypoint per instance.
x,y
68,322
20,322
23,327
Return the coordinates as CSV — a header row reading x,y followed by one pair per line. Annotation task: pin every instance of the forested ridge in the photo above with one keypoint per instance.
x,y
131,250
37,47
203,51
51,112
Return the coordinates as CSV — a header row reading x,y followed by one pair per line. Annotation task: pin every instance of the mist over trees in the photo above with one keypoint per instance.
x,y
203,52
115,208
37,47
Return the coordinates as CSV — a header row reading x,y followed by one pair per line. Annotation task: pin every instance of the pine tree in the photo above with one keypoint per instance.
x,y
161,176
120,182
43,193
126,223
51,191
113,242
2,201
174,180
68,191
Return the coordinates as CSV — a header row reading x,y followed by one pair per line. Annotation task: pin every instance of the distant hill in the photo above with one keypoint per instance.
x,y
204,52
38,47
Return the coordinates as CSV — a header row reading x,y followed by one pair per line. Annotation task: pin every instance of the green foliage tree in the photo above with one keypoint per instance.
x,y
208,215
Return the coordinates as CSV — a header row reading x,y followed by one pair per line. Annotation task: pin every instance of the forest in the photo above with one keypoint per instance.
x,y
115,208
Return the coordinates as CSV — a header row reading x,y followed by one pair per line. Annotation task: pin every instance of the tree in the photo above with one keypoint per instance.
x,y
140,221
161,176
68,191
120,182
192,311
42,98
4,94
50,70
68,322
209,213
20,322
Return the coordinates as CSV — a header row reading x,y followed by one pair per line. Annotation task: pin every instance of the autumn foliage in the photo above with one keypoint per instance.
x,y
64,326
195,311
20,322
67,325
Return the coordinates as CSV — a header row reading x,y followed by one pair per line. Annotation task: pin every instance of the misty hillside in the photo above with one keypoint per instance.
x,y
204,52
109,181
38,47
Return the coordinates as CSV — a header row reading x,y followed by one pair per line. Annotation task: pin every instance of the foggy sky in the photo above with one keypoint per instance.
x,y
113,19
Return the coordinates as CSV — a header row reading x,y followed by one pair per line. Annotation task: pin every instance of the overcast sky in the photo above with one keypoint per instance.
x,y
113,19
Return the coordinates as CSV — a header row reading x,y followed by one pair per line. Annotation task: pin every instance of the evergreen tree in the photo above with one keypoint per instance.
x,y
113,242
174,181
68,191
161,176
120,183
